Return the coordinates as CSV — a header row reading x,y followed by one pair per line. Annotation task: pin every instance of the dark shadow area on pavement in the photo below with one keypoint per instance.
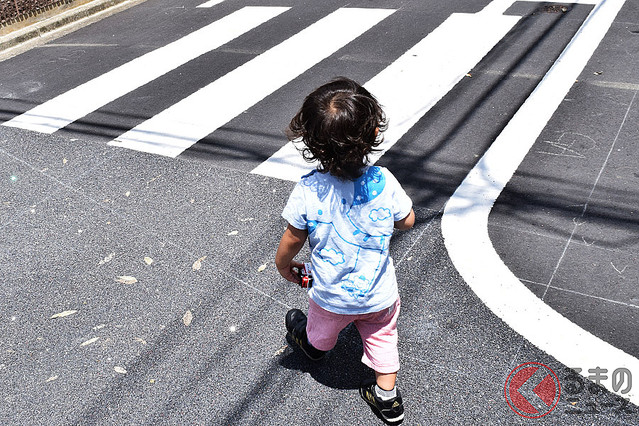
x,y
341,368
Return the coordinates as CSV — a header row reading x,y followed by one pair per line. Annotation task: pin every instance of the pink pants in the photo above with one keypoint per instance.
x,y
378,331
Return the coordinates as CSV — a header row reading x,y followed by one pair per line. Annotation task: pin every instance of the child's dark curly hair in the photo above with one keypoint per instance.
x,y
340,124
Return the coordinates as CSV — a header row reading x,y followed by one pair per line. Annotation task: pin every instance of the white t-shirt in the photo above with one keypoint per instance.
x,y
349,226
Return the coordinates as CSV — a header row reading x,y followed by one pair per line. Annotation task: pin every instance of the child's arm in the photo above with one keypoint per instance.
x,y
291,243
407,222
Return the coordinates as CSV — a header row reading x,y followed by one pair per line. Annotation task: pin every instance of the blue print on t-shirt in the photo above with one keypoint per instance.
x,y
369,186
357,250
332,256
379,214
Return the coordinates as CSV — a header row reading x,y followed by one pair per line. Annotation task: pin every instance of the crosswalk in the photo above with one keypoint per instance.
x,y
76,103
414,83
183,124
407,88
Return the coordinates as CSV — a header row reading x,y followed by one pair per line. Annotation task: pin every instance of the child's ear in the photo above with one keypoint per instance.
x,y
376,131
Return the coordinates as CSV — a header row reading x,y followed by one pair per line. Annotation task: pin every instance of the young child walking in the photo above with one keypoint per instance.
x,y
347,209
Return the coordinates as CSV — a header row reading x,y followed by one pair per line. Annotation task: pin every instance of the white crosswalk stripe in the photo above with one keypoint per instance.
x,y
210,3
415,82
172,131
76,103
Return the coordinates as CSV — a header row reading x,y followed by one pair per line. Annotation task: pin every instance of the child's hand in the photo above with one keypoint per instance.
x,y
289,272
290,244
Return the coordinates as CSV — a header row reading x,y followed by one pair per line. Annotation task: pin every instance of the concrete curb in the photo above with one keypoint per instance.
x,y
53,27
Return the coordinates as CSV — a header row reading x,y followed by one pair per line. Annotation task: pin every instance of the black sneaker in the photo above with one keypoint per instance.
x,y
391,410
296,326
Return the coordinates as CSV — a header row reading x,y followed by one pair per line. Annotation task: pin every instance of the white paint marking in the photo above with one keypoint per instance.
x,y
615,85
411,86
579,293
415,82
177,128
210,3
465,220
619,271
80,101
79,45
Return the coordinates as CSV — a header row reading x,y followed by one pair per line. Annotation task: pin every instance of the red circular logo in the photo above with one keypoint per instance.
x,y
532,390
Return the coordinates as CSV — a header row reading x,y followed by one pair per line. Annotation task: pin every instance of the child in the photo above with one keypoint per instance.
x,y
347,210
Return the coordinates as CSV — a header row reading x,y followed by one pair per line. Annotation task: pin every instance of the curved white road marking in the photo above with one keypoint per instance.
x,y
465,220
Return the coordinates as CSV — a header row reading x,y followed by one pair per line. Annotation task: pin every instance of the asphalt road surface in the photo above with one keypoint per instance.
x,y
150,145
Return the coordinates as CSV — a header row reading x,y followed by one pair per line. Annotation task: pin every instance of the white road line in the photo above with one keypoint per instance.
x,y
177,128
585,295
415,82
210,3
80,101
465,220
